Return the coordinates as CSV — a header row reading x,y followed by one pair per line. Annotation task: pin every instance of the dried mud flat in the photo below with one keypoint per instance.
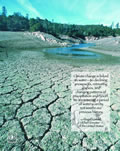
x,y
35,103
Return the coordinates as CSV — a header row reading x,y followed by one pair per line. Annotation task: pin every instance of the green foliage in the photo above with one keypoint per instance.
x,y
36,27
4,11
117,31
3,23
17,22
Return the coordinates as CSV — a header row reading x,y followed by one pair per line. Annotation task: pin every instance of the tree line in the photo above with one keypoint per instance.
x,y
18,22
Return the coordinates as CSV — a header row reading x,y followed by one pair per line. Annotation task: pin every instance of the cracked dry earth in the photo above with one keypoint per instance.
x,y
35,100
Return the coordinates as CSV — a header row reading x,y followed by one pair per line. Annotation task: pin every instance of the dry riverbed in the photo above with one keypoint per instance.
x,y
35,102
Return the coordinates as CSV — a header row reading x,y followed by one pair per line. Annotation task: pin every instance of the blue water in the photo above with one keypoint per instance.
x,y
83,45
73,51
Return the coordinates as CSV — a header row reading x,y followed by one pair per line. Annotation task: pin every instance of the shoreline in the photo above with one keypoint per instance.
x,y
107,45
106,52
39,40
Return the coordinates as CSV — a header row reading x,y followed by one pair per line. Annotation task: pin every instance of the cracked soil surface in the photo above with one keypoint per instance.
x,y
35,104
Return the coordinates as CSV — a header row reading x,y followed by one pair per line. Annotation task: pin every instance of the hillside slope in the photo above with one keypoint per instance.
x,y
34,40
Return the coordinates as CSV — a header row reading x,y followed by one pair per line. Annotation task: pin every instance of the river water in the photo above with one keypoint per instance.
x,y
73,51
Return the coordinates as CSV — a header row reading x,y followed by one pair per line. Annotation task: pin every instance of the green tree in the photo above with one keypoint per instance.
x,y
117,25
3,23
4,11
17,22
